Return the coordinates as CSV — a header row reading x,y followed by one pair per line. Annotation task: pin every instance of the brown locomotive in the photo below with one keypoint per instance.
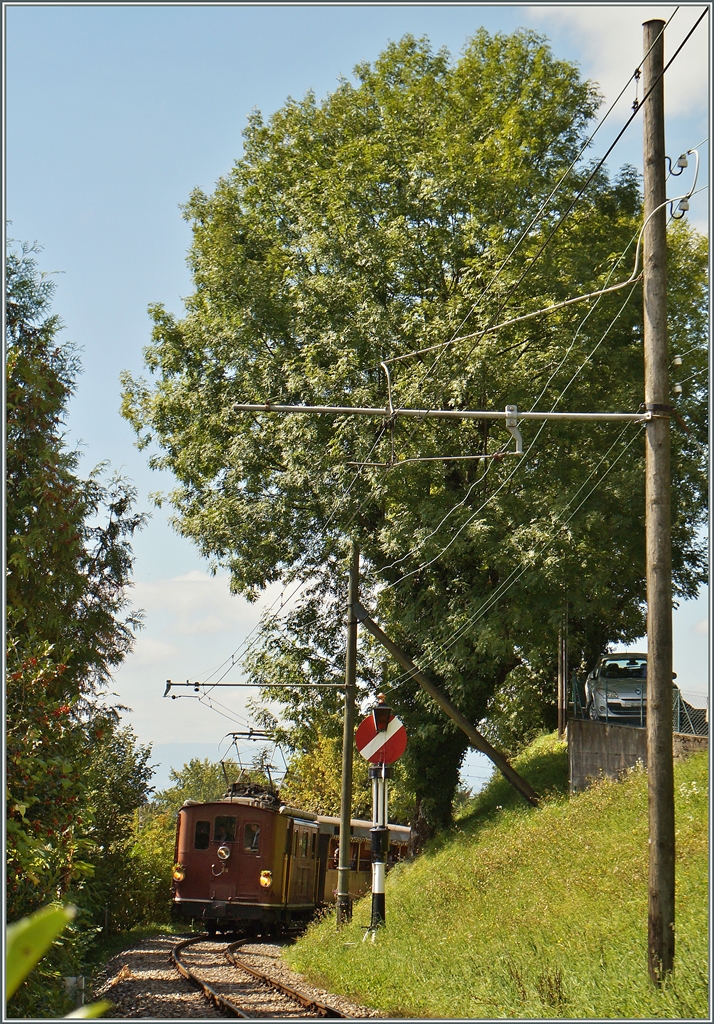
x,y
250,863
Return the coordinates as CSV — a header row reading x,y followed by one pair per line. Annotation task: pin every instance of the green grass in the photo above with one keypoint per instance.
x,y
531,913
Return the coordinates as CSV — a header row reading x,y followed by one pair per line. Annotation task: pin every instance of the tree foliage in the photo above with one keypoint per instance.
x,y
69,623
199,779
410,207
314,782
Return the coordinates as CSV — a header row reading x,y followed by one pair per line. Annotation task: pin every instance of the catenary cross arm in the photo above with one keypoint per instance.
x,y
444,414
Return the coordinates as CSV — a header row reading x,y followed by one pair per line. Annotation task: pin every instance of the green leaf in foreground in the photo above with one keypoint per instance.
x,y
29,939
27,942
95,1010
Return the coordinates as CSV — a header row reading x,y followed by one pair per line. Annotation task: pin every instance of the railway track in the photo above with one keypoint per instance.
x,y
235,983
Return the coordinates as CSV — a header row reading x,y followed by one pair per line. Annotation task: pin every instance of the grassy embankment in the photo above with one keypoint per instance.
x,y
531,913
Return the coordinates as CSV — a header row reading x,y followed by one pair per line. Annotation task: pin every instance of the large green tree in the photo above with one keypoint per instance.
x,y
411,206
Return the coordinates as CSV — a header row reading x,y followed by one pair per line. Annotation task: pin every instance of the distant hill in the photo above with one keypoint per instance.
x,y
531,913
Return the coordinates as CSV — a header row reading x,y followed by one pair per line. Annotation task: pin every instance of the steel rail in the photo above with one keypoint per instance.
x,y
221,1001
313,1005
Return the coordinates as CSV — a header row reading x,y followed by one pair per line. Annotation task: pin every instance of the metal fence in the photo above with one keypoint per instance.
x,y
688,716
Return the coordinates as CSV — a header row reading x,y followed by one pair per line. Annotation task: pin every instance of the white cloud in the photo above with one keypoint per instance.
x,y
702,627
149,651
197,603
610,41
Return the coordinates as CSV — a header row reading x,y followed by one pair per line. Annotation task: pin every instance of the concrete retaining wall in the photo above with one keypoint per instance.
x,y
685,743
597,748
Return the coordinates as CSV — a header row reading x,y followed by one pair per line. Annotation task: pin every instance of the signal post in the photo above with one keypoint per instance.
x,y
381,739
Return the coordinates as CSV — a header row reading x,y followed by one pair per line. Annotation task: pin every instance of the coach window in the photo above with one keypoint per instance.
x,y
314,839
251,838
303,843
224,830
202,835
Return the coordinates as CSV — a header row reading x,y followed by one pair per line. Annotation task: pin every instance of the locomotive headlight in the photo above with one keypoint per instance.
x,y
224,852
179,872
266,879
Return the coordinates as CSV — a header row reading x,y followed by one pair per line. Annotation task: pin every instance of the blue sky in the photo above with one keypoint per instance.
x,y
114,113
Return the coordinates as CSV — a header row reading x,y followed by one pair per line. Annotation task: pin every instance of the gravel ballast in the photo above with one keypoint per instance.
x,y
142,982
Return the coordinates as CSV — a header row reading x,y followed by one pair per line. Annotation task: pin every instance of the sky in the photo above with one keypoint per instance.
x,y
113,114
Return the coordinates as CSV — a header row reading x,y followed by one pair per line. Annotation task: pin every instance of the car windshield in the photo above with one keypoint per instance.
x,y
624,668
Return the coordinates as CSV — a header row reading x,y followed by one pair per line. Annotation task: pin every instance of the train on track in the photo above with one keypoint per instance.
x,y
250,863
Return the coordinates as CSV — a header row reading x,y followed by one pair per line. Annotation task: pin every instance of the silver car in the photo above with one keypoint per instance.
x,y
616,689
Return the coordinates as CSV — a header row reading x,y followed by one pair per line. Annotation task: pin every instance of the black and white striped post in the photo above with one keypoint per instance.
x,y
379,774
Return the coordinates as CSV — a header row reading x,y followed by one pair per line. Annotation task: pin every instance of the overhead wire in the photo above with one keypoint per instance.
x,y
509,477
579,194
631,281
535,218
577,298
512,473
430,371
512,578
542,427
554,191
255,631
531,261
523,458
544,204
494,598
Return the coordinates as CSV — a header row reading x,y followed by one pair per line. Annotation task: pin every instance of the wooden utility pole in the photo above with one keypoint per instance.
x,y
344,901
657,519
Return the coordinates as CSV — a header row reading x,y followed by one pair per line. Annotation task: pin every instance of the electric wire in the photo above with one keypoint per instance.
x,y
255,631
546,201
500,269
587,359
578,298
508,478
512,578
531,261
526,453
567,212
575,200
542,427
543,390
704,369
521,461
430,371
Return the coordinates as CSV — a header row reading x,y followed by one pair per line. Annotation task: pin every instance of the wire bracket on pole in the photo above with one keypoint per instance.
x,y
512,427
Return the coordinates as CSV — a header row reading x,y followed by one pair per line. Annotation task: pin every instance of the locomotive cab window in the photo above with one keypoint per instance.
x,y
251,838
202,835
224,829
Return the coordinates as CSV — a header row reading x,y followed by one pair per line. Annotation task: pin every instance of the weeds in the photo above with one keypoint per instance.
x,y
550,988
